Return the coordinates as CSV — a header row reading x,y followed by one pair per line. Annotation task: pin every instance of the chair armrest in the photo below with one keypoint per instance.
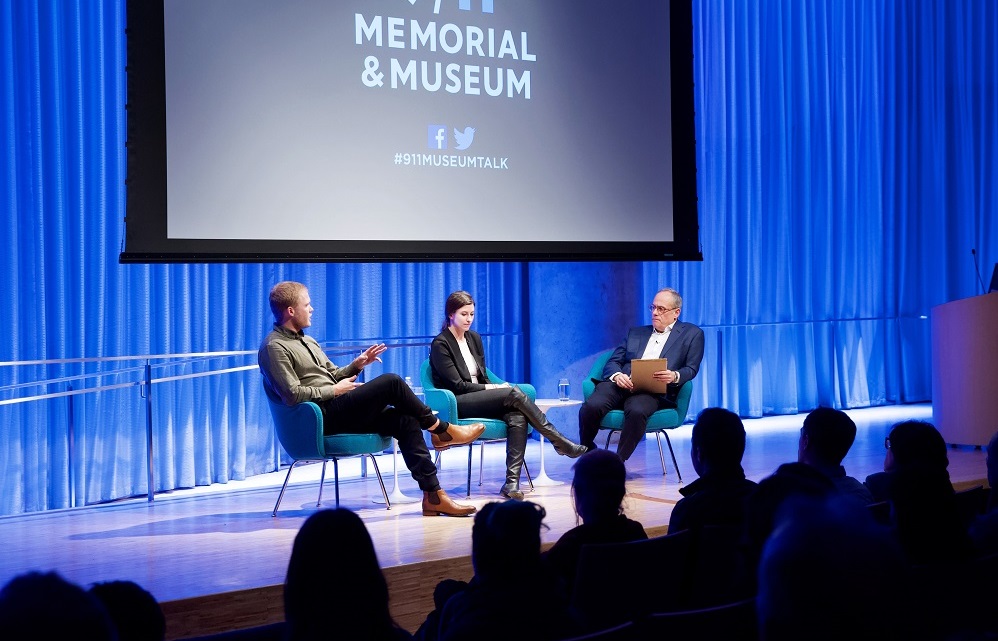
x,y
443,402
595,371
528,390
683,401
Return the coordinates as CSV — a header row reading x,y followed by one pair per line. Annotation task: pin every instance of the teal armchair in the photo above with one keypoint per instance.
x,y
444,402
299,430
659,422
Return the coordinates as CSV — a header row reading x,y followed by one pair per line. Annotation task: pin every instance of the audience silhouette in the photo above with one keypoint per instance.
x,y
828,571
717,444
825,439
38,605
790,481
916,482
505,553
984,529
598,489
810,550
334,586
133,610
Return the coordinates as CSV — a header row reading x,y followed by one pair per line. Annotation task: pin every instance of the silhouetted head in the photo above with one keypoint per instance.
x,y
506,540
825,438
39,605
134,611
598,485
717,441
334,575
915,444
829,572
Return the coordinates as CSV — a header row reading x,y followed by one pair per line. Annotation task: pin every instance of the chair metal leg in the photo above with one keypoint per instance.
x,y
471,448
606,445
527,470
481,463
336,479
374,462
284,487
669,442
322,480
661,455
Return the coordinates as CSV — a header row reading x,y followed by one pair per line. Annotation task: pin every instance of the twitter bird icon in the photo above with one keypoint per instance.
x,y
464,138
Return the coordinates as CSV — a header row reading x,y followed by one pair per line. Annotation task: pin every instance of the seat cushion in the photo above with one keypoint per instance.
x,y
660,420
353,444
494,428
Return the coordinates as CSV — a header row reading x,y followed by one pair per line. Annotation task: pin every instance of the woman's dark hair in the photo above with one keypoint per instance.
x,y
334,582
506,540
455,301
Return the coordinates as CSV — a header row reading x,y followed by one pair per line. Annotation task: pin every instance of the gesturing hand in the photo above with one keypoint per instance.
x,y
346,385
370,355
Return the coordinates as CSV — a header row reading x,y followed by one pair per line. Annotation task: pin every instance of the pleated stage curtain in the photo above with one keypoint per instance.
x,y
846,167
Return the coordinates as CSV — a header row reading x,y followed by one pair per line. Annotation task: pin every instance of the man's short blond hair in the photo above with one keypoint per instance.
x,y
284,295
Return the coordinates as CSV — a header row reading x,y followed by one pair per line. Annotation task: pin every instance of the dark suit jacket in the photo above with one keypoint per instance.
x,y
684,349
448,367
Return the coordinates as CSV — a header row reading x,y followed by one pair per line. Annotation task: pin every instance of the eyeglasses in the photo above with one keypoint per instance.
x,y
658,309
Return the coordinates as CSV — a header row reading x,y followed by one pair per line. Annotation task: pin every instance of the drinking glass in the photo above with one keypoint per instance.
x,y
563,389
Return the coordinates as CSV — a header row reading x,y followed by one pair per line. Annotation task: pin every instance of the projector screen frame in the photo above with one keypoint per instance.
x,y
146,239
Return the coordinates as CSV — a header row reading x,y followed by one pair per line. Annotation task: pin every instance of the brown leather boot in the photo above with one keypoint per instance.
x,y
455,434
439,504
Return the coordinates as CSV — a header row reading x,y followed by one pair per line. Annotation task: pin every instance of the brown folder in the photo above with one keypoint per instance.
x,y
642,374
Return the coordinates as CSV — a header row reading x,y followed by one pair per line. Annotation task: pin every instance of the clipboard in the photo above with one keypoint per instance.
x,y
642,375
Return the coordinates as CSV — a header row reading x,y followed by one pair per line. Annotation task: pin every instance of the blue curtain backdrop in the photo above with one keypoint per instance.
x,y
846,167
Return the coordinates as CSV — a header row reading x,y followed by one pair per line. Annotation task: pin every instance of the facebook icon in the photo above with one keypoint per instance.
x,y
436,136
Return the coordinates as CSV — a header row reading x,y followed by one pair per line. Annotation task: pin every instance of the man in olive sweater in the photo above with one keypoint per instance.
x,y
296,370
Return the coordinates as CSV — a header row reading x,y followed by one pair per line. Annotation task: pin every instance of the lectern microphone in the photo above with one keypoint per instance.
x,y
978,270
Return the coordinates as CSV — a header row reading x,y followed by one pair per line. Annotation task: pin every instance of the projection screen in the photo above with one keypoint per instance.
x,y
410,130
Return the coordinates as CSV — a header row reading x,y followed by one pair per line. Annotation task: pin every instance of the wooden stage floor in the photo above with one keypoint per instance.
x,y
218,549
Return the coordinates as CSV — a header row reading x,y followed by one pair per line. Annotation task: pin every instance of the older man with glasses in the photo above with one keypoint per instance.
x,y
667,337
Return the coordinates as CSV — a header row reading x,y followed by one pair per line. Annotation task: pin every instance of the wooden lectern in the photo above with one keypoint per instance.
x,y
965,369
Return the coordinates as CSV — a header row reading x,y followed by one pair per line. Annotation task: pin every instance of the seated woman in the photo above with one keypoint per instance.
x,y
598,489
335,587
457,360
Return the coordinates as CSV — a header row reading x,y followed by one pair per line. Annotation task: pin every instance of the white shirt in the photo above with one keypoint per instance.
x,y
469,360
656,341
654,346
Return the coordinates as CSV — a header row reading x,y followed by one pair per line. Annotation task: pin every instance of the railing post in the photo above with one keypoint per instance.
x,y
148,395
71,446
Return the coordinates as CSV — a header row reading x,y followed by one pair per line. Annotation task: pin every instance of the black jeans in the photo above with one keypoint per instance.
x,y
366,410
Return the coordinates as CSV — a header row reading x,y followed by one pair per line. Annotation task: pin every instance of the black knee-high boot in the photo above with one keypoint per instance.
x,y
518,401
516,447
